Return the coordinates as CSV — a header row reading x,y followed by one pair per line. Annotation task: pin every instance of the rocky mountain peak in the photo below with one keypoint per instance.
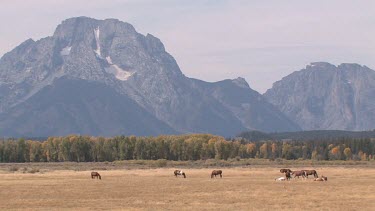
x,y
103,77
154,44
320,66
325,96
241,82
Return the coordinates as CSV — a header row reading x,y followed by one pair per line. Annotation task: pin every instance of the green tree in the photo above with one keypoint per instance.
x,y
348,153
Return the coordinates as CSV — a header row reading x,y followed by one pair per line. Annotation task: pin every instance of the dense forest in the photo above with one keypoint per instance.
x,y
182,147
307,135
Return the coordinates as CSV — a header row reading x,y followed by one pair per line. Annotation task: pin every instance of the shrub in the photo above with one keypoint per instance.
x,y
161,163
99,168
139,162
278,160
13,168
33,170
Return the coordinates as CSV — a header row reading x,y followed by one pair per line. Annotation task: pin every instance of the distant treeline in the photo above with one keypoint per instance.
x,y
182,147
307,135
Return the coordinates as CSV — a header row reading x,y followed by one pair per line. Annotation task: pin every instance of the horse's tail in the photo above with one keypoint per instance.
x,y
184,175
100,177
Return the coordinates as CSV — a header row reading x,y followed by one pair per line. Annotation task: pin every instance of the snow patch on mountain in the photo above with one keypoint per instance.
x,y
66,51
109,60
118,72
97,34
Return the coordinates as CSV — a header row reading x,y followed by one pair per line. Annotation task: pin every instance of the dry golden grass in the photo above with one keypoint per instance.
x,y
157,189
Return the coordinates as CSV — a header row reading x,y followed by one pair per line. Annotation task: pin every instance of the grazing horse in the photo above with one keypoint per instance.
x,y
216,172
280,179
95,174
285,170
322,178
298,174
179,172
287,175
311,172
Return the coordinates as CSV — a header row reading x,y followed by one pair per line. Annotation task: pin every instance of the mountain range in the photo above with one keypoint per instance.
x,y
327,97
103,78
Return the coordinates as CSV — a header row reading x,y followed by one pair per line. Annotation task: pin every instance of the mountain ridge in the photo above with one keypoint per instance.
x,y
325,96
138,68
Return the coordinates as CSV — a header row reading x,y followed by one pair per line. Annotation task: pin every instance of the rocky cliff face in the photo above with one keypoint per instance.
x,y
129,65
324,96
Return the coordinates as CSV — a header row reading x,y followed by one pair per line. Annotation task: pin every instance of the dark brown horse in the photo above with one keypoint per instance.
x,y
298,174
311,172
95,174
285,170
179,172
287,175
216,172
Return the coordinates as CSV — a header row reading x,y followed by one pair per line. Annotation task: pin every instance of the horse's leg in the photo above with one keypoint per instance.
x,y
221,176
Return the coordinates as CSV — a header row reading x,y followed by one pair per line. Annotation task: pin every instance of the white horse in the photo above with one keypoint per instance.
x,y
280,179
322,178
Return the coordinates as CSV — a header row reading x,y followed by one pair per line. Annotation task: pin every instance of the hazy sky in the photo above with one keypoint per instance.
x,y
213,40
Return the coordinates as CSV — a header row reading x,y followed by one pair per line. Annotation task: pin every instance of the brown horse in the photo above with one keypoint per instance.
x,y
95,174
285,170
287,175
298,174
179,172
311,172
216,172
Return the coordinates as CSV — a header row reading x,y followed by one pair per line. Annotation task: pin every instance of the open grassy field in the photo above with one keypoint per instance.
x,y
241,188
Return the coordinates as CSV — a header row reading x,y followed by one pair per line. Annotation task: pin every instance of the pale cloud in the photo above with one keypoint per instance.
x,y
261,41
